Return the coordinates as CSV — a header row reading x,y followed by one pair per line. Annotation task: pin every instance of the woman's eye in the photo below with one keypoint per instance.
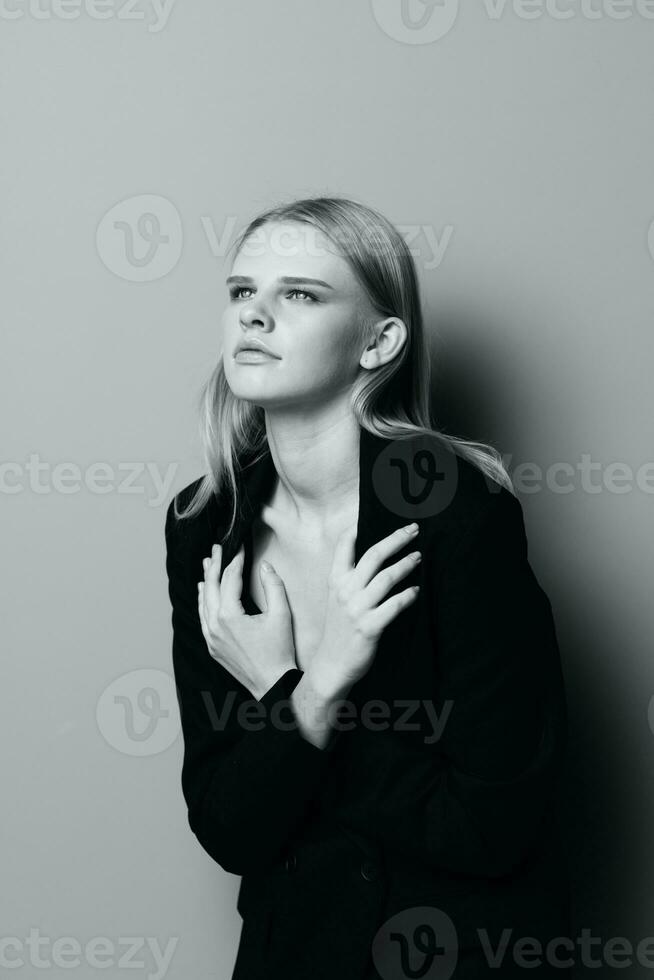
x,y
304,293
235,291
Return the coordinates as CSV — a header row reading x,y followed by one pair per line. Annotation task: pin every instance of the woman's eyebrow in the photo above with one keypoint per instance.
x,y
288,280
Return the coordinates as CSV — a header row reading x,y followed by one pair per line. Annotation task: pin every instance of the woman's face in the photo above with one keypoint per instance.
x,y
289,289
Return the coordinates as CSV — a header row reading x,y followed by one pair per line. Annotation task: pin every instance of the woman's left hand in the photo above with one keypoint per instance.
x,y
256,650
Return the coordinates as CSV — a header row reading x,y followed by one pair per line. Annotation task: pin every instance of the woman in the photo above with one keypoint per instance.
x,y
371,740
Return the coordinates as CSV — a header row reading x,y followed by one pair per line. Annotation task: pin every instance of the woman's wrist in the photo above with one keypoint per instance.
x,y
325,686
314,701
271,679
311,712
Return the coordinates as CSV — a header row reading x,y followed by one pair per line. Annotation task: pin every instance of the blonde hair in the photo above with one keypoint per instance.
x,y
391,401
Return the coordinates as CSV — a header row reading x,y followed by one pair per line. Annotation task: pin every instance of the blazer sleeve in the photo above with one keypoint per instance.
x,y
247,775
477,805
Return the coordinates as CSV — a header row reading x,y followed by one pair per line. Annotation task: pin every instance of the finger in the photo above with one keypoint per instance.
x,y
203,621
378,619
273,589
371,562
212,583
231,584
344,551
381,584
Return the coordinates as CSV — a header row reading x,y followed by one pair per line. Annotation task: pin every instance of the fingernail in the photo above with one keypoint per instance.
x,y
410,528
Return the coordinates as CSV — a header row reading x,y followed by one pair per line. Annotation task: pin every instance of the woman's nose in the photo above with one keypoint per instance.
x,y
254,313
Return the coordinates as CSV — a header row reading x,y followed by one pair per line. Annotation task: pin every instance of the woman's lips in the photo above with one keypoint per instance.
x,y
251,356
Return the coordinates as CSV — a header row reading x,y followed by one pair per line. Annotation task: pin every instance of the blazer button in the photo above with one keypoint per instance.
x,y
368,871
291,863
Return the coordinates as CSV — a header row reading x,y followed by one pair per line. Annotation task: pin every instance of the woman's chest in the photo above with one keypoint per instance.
x,y
304,569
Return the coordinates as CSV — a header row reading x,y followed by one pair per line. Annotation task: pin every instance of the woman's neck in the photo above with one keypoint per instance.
x,y
317,462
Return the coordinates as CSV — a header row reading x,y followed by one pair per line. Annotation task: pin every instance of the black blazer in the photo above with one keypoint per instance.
x,y
392,814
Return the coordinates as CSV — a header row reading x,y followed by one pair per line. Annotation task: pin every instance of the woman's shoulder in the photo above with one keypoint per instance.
x,y
199,529
467,507
457,493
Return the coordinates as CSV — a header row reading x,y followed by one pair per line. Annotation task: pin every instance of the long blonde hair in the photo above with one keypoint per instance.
x,y
391,401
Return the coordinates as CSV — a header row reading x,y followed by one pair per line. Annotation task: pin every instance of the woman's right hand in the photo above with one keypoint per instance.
x,y
355,616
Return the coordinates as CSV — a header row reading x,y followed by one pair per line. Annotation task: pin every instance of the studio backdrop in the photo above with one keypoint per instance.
x,y
512,144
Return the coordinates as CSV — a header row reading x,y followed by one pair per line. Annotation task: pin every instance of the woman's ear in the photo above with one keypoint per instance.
x,y
388,339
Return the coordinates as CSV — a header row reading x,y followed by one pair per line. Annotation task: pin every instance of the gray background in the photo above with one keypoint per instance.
x,y
523,144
